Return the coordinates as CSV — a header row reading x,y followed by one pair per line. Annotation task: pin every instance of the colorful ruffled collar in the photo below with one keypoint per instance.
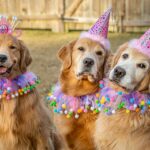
x,y
105,100
112,100
69,105
20,85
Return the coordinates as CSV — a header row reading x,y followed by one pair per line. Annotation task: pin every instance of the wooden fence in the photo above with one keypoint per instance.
x,y
66,15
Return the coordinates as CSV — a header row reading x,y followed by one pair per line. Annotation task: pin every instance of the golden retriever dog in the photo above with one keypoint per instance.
x,y
25,122
83,62
126,131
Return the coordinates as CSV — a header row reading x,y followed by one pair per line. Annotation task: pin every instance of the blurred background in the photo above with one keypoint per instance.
x,y
72,15
47,25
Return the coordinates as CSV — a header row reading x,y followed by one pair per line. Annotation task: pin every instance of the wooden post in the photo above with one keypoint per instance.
x,y
119,14
58,25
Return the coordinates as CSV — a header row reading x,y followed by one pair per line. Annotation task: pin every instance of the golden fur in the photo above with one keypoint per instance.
x,y
125,131
25,122
78,133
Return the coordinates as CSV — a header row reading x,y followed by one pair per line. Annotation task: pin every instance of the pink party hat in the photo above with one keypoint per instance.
x,y
99,30
142,44
7,26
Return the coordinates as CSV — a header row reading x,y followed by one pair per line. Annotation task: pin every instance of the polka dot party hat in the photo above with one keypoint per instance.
x,y
142,44
101,26
99,30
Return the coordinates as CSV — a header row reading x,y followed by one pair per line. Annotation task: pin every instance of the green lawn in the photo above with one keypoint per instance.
x,y
44,45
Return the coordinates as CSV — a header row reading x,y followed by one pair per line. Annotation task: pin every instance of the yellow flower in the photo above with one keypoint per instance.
x,y
79,110
142,102
63,106
102,101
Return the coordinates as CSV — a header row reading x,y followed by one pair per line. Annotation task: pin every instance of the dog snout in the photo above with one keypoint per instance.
x,y
119,72
3,58
88,62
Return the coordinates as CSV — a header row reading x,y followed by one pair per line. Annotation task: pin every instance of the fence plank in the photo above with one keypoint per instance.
x,y
78,14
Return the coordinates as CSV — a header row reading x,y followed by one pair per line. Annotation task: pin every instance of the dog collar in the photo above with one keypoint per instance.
x,y
106,100
20,85
112,100
69,105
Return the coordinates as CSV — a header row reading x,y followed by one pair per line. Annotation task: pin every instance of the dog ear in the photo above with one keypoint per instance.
x,y
118,54
25,57
148,87
65,54
107,63
145,84
149,83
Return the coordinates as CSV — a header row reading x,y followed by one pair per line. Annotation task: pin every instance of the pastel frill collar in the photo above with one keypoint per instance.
x,y
20,85
105,100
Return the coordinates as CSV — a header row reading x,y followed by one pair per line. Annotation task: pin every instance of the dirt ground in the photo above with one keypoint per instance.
x,y
44,46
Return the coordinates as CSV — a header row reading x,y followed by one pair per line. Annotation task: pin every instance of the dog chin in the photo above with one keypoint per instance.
x,y
126,86
86,76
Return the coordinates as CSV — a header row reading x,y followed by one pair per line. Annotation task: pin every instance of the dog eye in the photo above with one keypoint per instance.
x,y
125,56
99,53
12,47
142,66
81,48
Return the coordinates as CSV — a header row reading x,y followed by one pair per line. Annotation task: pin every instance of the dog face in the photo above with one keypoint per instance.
x,y
85,58
131,69
14,56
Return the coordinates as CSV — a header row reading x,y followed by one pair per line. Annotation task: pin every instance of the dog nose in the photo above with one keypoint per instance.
x,y
119,72
3,58
88,62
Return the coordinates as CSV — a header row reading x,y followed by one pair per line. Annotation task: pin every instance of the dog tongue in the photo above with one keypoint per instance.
x,y
3,69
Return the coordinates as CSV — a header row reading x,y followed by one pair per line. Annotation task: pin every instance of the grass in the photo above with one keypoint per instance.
x,y
44,46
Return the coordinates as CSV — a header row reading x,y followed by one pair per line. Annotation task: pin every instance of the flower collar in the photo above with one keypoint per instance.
x,y
105,100
20,85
